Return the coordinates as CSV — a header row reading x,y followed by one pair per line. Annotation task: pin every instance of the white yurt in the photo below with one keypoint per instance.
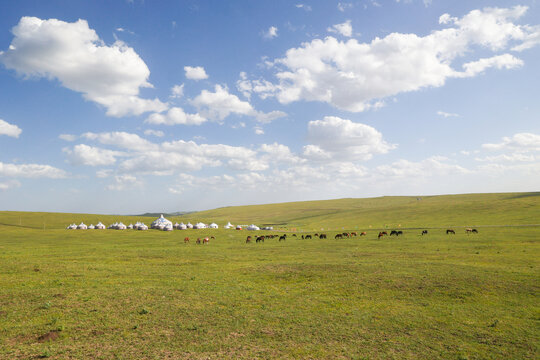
x,y
91,227
121,226
176,225
82,226
100,226
213,226
141,226
72,227
253,227
189,225
168,228
130,226
200,225
161,223
238,227
182,226
228,226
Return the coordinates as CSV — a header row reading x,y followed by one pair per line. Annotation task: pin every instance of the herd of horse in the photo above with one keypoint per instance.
x,y
261,238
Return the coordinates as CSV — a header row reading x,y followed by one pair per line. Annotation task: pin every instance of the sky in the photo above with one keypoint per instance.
x,y
125,107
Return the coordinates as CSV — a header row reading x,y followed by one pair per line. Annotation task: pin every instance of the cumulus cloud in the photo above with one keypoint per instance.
x,y
303,6
157,133
88,155
195,73
31,171
177,91
356,76
342,6
433,166
344,29
9,129
258,130
67,137
342,139
175,116
521,142
73,54
271,33
220,104
122,182
121,140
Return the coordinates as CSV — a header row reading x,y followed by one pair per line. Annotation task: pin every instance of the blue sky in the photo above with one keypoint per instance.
x,y
135,106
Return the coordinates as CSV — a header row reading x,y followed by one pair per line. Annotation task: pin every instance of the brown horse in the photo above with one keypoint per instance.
x,y
381,234
450,231
248,239
363,233
186,240
198,241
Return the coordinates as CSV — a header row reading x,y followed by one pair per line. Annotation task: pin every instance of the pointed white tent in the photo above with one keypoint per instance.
x,y
182,226
100,226
189,225
213,226
161,223
121,226
253,227
130,226
228,226
91,227
82,226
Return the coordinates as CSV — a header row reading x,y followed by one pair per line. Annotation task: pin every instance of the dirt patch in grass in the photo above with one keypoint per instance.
x,y
49,336
59,296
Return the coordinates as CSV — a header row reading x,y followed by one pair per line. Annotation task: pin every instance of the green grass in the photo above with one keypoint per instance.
x,y
147,295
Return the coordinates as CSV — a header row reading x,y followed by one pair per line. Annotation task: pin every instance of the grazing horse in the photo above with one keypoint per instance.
x,y
259,238
308,236
206,240
450,231
198,241
212,237
248,239
394,232
294,235
424,232
474,231
468,230
186,240
354,234
338,236
381,234
283,237
322,236
363,233
399,232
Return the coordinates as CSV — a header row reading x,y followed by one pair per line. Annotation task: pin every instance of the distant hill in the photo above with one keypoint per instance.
x,y
376,213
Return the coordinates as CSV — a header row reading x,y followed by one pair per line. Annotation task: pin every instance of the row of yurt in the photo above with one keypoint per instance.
x,y
82,226
162,224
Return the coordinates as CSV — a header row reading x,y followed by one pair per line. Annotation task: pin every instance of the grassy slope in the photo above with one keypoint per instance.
x,y
129,294
430,211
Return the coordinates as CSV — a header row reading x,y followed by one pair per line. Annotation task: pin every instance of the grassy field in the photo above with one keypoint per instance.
x,y
147,295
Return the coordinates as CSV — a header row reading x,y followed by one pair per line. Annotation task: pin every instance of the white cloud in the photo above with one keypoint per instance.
x,y
122,182
343,139
157,133
433,166
122,140
9,129
219,104
271,33
104,173
344,29
303,6
31,171
177,91
195,73
355,76
74,54
258,130
342,6
175,116
67,137
521,142
88,155
446,114
515,157
11,184
279,153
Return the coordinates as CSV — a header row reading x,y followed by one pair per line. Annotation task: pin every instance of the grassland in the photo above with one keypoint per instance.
x,y
147,295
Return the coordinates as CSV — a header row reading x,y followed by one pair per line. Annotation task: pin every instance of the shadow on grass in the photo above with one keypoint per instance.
x,y
525,195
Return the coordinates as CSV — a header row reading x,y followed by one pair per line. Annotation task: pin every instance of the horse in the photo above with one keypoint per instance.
x,y
259,238
338,236
450,231
468,230
198,241
308,236
206,240
394,232
186,240
353,234
399,232
283,237
424,232
363,233
248,239
381,234
322,236
474,231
